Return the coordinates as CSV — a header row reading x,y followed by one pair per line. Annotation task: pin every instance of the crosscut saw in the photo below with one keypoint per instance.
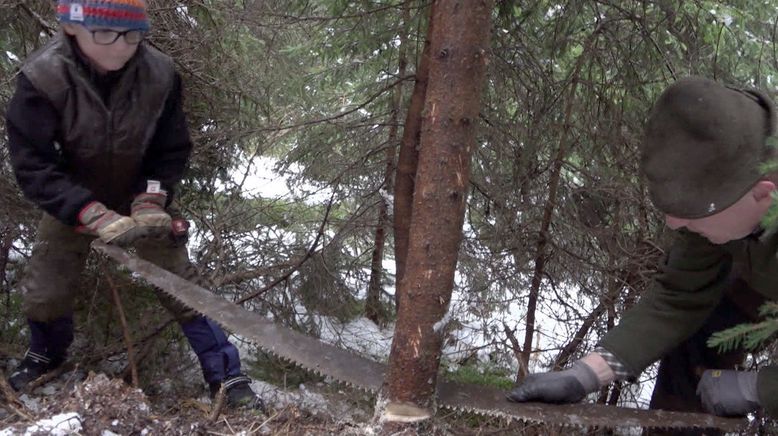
x,y
360,372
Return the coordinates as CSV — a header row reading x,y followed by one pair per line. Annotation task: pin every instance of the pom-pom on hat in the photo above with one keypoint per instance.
x,y
126,14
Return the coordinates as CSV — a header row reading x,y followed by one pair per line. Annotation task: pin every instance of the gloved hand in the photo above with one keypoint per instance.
x,y
568,386
97,220
728,392
148,210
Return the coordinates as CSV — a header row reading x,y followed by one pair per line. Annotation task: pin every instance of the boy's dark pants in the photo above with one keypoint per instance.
x,y
680,370
51,283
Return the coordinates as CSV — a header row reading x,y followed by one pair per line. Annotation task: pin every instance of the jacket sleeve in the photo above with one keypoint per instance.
x,y
170,146
690,284
32,123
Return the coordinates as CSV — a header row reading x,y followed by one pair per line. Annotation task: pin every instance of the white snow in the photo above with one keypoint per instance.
x,y
259,177
359,335
57,425
441,324
313,402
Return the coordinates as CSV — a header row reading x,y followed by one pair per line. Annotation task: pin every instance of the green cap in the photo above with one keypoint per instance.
x,y
704,144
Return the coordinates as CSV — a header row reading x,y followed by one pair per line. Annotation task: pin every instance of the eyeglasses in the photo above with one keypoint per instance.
x,y
108,37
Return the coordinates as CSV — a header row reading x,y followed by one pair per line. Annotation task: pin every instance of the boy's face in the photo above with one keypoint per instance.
x,y
734,222
104,58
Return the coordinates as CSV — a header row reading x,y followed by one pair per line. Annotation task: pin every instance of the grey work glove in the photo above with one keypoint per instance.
x,y
568,386
728,392
112,228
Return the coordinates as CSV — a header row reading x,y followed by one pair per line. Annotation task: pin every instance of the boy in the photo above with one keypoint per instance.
x,y
701,155
98,140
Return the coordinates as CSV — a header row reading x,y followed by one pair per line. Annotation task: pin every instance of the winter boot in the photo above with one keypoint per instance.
x,y
32,366
239,393
220,362
49,342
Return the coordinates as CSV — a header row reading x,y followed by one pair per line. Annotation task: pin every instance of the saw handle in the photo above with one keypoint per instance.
x,y
179,231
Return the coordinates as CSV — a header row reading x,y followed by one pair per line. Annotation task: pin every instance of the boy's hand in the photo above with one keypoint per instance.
x,y
109,226
148,210
568,386
728,392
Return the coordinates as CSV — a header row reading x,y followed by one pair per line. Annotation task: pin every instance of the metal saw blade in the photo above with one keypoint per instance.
x,y
491,401
279,340
349,368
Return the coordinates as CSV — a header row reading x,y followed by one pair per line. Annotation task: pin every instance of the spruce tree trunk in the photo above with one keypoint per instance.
x,y
459,44
408,161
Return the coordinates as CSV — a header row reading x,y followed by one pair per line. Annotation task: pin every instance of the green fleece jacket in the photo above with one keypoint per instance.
x,y
691,283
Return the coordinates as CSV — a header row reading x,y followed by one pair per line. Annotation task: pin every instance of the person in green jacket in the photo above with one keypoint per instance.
x,y
702,156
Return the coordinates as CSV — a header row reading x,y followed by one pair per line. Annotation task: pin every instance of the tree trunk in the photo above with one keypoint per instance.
x,y
373,309
459,44
408,160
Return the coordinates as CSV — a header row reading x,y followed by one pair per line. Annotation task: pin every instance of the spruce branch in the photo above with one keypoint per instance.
x,y
749,336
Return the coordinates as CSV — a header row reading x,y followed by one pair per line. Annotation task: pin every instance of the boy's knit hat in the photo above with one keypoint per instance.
x,y
704,145
126,14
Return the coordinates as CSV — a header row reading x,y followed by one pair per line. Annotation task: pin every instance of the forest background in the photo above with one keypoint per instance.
x,y
559,235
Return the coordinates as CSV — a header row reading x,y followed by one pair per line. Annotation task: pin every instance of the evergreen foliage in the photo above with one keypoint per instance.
x,y
749,336
304,87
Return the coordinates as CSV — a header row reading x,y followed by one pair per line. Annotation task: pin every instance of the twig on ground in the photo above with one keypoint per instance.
x,y
218,405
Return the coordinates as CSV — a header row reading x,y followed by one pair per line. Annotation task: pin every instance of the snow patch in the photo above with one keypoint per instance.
x,y
57,425
442,323
308,400
360,335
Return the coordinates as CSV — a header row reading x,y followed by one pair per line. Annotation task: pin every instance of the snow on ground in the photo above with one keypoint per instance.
x,y
259,178
359,335
58,425
334,407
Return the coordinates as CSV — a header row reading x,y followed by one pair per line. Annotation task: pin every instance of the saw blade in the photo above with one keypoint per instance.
x,y
346,367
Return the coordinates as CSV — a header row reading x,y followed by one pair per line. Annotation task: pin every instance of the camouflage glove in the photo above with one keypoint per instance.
x,y
728,392
109,226
148,210
568,386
